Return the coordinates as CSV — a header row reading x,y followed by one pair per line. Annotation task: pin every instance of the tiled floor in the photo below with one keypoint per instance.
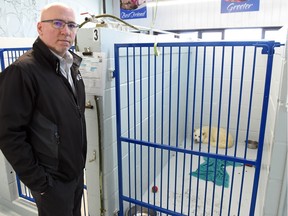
x,y
196,192
4,211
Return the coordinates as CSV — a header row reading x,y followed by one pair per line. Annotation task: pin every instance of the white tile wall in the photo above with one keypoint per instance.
x,y
276,155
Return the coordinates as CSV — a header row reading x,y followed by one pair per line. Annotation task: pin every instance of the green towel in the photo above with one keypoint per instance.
x,y
207,171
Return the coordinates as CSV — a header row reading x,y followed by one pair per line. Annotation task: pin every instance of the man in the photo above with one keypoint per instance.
x,y
42,103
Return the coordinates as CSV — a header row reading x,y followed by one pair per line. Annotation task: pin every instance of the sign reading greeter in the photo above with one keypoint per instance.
x,y
233,6
133,9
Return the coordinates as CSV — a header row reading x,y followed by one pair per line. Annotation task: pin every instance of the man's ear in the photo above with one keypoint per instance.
x,y
39,28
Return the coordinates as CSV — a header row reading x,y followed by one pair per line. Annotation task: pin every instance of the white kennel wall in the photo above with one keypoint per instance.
x,y
275,153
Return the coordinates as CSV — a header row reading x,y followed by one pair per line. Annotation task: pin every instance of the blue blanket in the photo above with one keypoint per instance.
x,y
214,170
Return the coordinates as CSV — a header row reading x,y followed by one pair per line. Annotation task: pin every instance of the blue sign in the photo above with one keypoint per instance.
x,y
233,6
133,9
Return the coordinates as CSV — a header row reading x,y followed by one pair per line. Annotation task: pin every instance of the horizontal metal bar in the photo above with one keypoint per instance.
x,y
188,151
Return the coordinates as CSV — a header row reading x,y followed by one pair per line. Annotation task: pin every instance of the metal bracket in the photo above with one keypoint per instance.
x,y
94,157
88,105
283,103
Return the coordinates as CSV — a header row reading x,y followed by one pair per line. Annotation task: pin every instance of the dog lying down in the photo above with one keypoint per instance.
x,y
213,137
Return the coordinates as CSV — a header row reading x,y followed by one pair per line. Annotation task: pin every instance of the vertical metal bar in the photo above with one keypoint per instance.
x,y
198,177
191,143
13,54
211,108
201,120
128,123
233,168
162,123
135,121
155,122
202,97
187,96
7,57
2,59
194,94
169,123
149,116
239,103
141,125
228,124
220,99
118,129
210,124
211,93
177,125
238,123
218,126
20,193
229,101
178,96
250,102
193,113
185,130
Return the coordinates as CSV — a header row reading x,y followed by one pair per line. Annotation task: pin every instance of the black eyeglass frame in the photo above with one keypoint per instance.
x,y
71,25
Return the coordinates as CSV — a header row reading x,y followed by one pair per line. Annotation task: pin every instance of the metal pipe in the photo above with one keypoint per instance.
x,y
104,6
99,108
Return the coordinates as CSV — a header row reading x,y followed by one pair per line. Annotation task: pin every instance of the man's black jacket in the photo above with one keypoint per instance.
x,y
42,124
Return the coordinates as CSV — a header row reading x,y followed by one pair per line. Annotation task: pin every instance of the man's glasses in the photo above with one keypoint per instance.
x,y
60,24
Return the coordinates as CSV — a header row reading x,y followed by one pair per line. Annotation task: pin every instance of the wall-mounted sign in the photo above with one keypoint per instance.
x,y
233,6
133,9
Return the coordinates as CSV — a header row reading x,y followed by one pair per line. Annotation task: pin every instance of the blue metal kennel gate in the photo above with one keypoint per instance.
x,y
163,92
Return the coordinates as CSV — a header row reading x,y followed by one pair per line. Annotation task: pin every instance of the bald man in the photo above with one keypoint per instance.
x,y
42,104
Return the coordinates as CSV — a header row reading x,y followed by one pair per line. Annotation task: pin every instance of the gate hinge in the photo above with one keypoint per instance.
x,y
268,48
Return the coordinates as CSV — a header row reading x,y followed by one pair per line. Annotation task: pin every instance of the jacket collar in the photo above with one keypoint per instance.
x,y
44,54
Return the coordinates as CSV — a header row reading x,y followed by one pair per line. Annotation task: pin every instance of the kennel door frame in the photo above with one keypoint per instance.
x,y
125,134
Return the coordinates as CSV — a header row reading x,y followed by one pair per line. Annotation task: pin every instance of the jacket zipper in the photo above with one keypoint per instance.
x,y
75,99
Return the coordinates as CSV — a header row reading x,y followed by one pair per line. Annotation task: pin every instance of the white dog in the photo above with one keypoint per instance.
x,y
213,137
